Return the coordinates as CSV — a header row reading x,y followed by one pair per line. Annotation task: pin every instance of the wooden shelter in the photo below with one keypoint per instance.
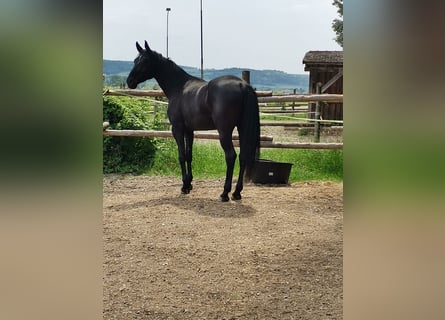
x,y
325,67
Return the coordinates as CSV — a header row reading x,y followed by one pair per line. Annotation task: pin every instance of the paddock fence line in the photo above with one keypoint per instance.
x,y
265,141
264,97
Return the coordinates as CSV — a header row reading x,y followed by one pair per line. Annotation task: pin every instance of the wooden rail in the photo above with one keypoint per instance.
x,y
271,123
168,134
265,141
158,93
263,96
302,145
303,98
134,92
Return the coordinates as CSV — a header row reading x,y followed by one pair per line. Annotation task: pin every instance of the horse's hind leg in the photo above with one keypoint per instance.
x,y
239,185
230,154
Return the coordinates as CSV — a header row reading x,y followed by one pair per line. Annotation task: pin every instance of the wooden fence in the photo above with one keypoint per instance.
x,y
265,141
263,97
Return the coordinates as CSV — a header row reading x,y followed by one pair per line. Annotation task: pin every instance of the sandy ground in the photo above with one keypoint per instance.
x,y
276,254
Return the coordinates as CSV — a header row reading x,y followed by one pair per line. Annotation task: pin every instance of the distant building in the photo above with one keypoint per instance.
x,y
325,67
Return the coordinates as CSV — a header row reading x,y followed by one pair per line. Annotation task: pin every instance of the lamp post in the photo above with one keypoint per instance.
x,y
202,58
168,11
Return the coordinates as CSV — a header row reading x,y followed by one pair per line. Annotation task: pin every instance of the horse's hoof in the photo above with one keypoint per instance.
x,y
224,197
236,196
185,191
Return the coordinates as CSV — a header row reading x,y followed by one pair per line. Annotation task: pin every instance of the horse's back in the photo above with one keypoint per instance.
x,y
216,104
227,84
190,109
227,91
226,95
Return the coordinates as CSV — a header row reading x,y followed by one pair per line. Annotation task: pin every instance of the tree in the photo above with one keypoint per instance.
x,y
337,24
116,80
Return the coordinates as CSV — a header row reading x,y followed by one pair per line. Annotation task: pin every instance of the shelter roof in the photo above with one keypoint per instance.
x,y
323,57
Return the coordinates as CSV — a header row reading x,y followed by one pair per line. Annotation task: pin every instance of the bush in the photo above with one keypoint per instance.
x,y
128,154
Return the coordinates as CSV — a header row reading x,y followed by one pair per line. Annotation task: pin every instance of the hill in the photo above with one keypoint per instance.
x,y
116,72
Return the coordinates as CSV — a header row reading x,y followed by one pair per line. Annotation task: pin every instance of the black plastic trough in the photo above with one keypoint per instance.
x,y
271,172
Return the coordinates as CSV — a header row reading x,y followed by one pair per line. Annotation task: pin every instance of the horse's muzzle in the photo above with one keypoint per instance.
x,y
131,83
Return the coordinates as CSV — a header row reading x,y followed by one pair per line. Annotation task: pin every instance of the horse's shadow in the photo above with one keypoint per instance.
x,y
200,206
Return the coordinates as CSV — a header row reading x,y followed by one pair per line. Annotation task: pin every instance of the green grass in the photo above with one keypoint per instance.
x,y
309,164
209,162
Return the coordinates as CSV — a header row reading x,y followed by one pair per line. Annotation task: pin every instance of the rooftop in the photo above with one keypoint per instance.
x,y
323,57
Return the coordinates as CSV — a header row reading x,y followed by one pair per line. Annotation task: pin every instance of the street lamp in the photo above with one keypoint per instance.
x,y
202,58
168,11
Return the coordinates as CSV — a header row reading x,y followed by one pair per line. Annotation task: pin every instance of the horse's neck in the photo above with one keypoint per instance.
x,y
171,78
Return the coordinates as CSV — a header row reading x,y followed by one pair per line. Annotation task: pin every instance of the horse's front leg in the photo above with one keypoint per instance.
x,y
178,134
188,159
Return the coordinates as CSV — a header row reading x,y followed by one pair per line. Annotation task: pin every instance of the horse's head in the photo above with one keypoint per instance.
x,y
143,68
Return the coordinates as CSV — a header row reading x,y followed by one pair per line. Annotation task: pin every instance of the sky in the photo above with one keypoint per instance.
x,y
255,34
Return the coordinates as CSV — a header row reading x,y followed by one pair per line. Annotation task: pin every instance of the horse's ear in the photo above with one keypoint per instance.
x,y
139,47
147,47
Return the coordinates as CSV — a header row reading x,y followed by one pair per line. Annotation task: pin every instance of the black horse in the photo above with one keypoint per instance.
x,y
194,104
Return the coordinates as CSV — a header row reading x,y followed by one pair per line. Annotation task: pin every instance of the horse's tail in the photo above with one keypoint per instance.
x,y
249,129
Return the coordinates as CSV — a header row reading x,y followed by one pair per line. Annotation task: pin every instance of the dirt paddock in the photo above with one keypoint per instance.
x,y
276,254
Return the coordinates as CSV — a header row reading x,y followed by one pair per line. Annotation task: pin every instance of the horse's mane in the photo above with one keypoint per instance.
x,y
171,64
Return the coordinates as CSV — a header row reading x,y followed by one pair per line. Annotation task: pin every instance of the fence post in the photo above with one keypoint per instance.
x,y
246,76
317,114
155,109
